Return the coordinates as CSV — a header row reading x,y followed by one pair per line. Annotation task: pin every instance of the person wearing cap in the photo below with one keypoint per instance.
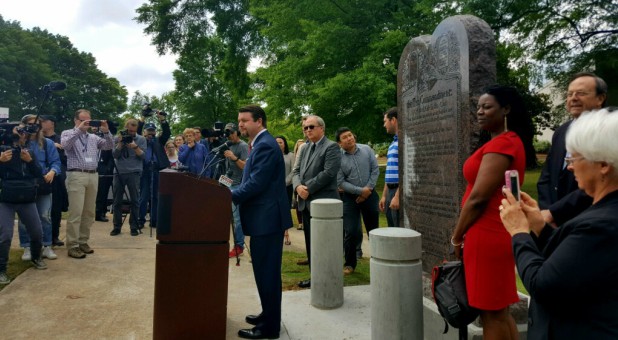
x,y
82,149
235,156
155,160
60,197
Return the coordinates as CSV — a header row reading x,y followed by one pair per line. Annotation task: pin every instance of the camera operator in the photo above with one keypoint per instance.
x,y
105,169
155,159
49,160
60,198
235,156
129,156
19,172
82,150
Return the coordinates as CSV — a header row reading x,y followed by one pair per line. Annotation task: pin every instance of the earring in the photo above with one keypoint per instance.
x,y
505,125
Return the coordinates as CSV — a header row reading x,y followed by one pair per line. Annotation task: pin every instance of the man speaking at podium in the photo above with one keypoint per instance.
x,y
265,215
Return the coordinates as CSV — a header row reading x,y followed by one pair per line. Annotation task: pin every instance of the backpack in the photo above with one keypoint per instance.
x,y
448,286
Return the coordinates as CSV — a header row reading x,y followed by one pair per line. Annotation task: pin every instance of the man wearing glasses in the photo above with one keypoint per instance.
x,y
559,196
316,175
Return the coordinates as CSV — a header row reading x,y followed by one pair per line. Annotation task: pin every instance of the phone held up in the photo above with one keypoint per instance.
x,y
511,178
94,123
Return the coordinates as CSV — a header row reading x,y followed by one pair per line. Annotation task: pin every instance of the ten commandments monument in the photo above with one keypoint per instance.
x,y
439,81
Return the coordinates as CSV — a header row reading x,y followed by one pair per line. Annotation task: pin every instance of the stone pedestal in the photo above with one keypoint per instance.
x,y
396,284
326,253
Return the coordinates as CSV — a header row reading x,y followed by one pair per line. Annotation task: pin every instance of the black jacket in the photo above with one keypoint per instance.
x,y
158,144
573,281
18,169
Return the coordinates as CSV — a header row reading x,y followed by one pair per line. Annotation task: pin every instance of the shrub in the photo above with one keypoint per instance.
x,y
541,146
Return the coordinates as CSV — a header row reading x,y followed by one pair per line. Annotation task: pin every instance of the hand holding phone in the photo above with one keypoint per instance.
x,y
94,123
511,179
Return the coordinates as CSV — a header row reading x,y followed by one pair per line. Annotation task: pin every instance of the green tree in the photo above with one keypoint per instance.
x,y
30,59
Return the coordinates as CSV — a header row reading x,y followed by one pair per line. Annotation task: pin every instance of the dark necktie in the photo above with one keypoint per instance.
x,y
311,151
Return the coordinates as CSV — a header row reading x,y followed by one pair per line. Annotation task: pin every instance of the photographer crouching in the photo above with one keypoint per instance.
x,y
19,172
129,157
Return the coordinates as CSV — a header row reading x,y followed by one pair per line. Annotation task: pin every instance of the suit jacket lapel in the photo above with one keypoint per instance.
x,y
318,147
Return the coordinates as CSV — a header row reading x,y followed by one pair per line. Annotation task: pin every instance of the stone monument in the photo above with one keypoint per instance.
x,y
438,84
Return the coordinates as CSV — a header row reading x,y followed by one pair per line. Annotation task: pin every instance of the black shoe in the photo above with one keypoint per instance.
x,y
140,226
256,333
101,218
114,232
57,243
134,232
253,319
305,284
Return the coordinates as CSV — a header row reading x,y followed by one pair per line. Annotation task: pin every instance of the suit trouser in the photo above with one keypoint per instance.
x,y
149,194
266,253
307,231
105,182
392,216
59,198
82,190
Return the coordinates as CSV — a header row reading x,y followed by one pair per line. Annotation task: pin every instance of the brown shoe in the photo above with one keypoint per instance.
x,y
348,270
76,253
85,248
302,262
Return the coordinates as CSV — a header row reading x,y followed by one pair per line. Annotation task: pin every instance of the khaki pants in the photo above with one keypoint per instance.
x,y
82,190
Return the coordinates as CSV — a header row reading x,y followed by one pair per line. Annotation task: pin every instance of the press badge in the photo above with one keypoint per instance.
x,y
88,159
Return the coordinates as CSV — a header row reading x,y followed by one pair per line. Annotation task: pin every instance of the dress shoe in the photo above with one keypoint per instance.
x,y
305,284
101,218
114,232
256,333
302,262
253,319
134,232
57,243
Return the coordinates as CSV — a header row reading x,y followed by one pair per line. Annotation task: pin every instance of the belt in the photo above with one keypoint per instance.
x,y
80,170
392,185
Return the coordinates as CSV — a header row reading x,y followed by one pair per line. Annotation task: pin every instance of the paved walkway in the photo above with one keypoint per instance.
x,y
109,295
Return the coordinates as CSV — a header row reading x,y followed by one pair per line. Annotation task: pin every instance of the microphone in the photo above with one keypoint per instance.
x,y
222,147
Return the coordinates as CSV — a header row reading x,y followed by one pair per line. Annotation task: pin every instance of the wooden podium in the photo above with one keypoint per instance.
x,y
191,271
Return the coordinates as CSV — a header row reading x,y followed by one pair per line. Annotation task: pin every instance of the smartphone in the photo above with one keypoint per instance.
x,y
511,178
94,123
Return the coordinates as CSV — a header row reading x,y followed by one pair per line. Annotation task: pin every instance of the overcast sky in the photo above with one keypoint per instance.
x,y
106,29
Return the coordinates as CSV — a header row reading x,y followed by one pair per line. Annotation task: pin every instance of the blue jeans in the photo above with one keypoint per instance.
x,y
149,180
43,206
239,236
26,212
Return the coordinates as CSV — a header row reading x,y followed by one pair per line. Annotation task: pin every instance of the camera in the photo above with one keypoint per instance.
x,y
94,123
147,110
126,137
16,149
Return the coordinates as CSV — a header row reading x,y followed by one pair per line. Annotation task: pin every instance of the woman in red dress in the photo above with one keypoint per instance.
x,y
488,257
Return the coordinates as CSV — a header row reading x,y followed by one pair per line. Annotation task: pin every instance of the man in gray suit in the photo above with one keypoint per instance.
x,y
316,175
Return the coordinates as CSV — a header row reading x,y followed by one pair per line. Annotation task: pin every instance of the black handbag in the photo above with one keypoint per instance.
x,y
23,190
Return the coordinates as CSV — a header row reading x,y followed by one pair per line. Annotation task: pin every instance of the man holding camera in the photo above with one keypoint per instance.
x,y
236,156
129,156
82,149
155,159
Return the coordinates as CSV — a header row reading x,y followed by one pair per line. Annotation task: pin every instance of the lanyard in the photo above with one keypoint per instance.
x,y
85,145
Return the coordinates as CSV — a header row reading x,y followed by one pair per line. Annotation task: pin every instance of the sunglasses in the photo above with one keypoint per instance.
x,y
309,127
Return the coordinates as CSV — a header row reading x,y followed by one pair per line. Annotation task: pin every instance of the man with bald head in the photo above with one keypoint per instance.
x,y
559,196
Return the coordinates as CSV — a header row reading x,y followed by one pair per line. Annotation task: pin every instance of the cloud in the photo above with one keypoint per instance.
x,y
109,12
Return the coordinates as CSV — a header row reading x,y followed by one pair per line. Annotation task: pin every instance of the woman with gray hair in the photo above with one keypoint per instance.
x,y
571,272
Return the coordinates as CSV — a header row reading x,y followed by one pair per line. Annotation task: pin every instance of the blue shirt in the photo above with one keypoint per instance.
x,y
392,162
196,158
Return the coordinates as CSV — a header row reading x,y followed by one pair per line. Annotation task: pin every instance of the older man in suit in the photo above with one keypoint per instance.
x,y
559,195
316,175
265,215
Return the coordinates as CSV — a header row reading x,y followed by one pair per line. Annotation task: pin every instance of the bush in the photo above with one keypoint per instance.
x,y
541,146
381,149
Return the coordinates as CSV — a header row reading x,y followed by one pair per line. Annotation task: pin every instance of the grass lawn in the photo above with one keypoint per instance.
x,y
16,266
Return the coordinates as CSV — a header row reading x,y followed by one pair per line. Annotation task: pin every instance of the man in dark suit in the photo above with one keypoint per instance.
x,y
265,215
316,175
559,196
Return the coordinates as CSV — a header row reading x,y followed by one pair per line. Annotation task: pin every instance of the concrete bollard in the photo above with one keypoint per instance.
x,y
326,253
396,284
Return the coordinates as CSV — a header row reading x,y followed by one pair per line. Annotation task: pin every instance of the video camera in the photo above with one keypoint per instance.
x,y
127,137
147,111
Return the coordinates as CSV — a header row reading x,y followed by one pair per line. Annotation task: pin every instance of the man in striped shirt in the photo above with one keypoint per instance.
x,y
390,196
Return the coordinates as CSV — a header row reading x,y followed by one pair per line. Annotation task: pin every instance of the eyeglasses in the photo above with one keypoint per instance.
x,y
309,127
577,94
571,160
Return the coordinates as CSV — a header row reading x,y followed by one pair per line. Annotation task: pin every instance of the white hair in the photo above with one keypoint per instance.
x,y
594,135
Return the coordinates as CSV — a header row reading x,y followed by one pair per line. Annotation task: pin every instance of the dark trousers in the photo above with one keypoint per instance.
x,y
29,215
105,182
307,231
392,216
352,230
149,195
266,253
60,203
131,182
